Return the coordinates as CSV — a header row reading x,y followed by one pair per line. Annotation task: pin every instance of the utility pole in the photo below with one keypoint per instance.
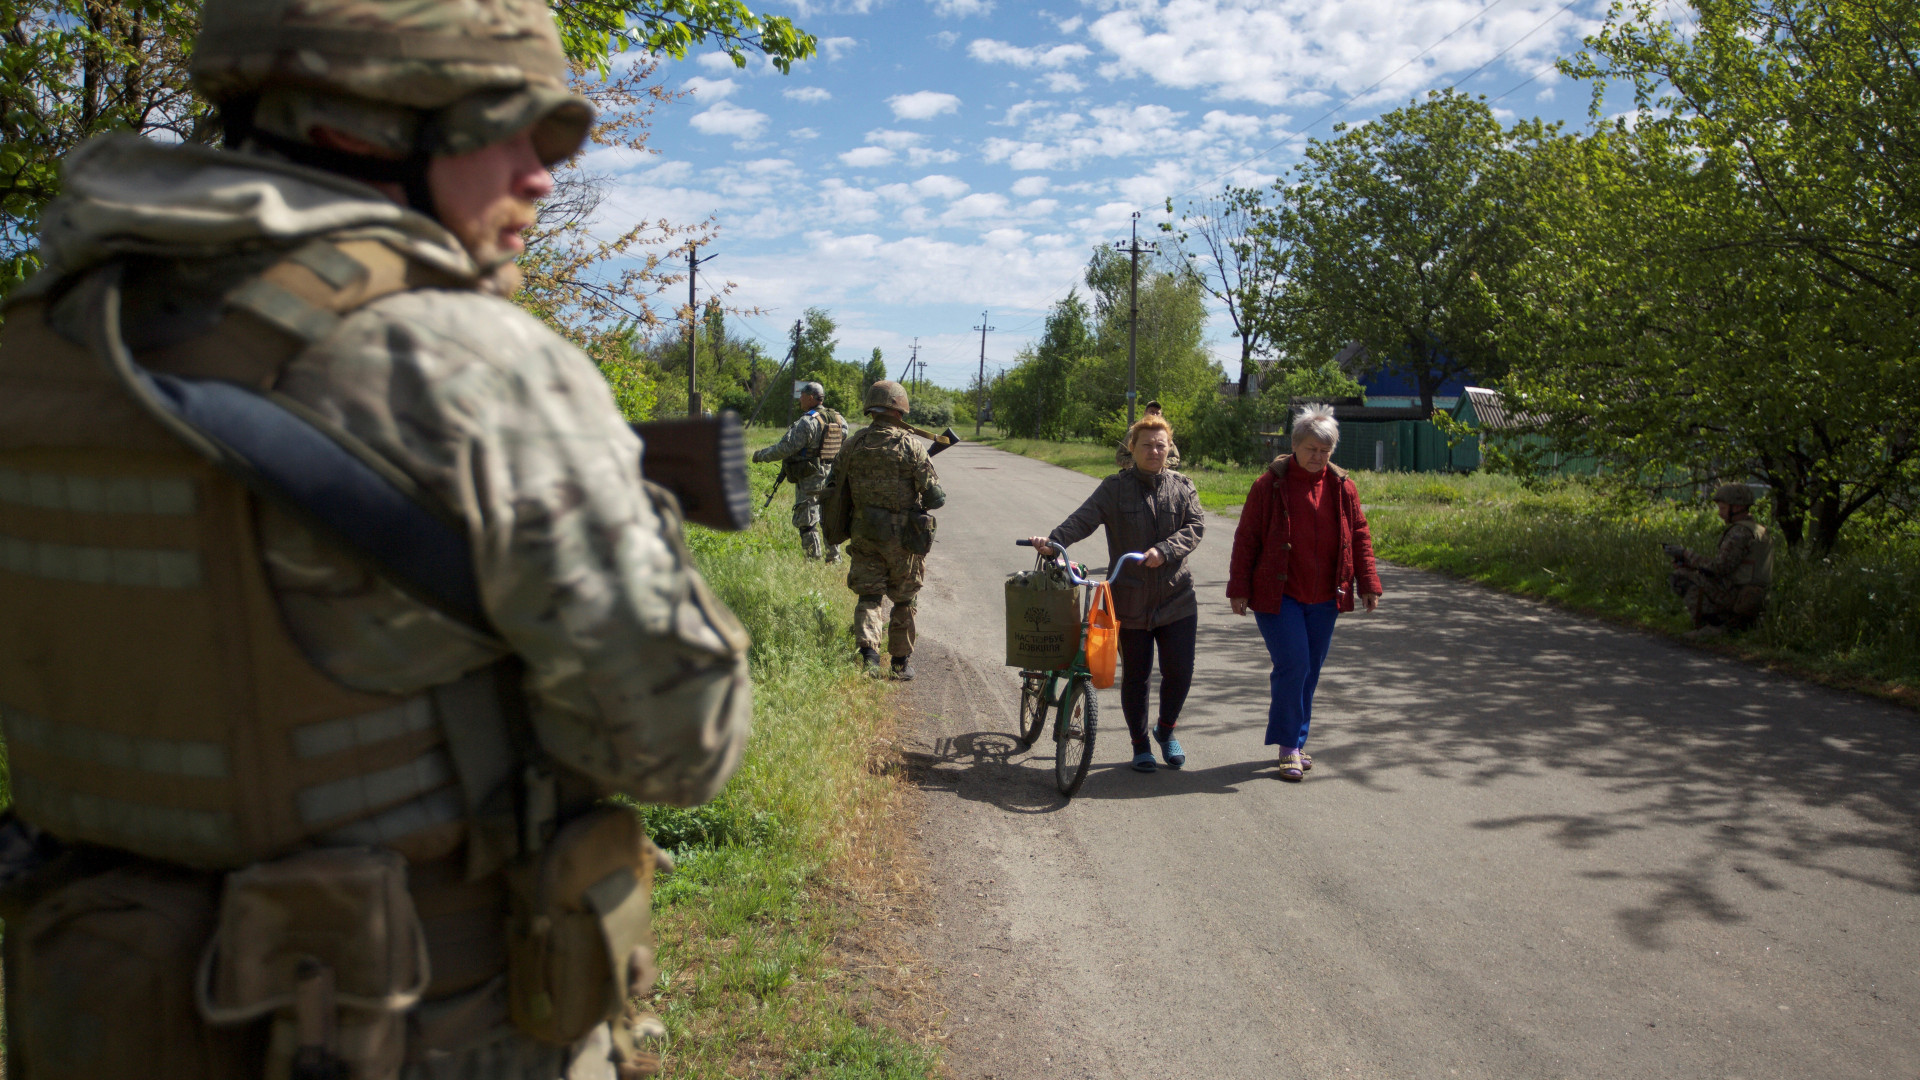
x,y
694,263
913,365
980,394
1133,248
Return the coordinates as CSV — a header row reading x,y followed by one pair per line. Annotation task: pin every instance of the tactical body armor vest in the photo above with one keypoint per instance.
x,y
194,730
155,704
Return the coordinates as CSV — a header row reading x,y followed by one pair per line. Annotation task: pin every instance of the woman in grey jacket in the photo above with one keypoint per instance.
x,y
1152,509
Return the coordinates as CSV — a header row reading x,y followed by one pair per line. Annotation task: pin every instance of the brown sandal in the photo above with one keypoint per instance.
x,y
1290,768
1306,761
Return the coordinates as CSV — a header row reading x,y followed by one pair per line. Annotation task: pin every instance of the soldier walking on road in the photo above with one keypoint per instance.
x,y
1727,590
340,605
884,486
806,455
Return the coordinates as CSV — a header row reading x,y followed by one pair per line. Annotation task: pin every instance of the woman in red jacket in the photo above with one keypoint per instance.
x,y
1301,555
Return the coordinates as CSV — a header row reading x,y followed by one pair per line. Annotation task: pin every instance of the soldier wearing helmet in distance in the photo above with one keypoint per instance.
x,y
332,602
884,486
1726,590
806,454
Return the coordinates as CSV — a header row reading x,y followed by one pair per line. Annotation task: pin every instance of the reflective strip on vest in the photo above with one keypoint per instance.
x,y
340,799
65,812
77,742
157,568
439,808
170,496
353,732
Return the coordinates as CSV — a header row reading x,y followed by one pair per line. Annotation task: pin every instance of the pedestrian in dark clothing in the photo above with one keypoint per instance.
x,y
1153,509
1301,555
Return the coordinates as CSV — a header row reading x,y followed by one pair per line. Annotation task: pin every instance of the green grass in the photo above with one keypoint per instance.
x,y
1851,619
752,982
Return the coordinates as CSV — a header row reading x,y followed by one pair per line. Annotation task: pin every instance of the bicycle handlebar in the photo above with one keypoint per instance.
x,y
1114,572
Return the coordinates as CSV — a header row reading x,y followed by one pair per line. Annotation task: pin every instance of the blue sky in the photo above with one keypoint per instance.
x,y
941,158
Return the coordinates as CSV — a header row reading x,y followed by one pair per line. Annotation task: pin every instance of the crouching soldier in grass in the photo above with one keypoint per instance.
x,y
883,487
1726,590
806,455
342,607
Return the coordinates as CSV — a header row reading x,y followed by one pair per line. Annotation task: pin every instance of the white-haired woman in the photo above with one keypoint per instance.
x,y
1301,555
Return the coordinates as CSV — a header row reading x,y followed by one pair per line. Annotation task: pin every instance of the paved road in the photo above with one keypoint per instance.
x,y
1532,846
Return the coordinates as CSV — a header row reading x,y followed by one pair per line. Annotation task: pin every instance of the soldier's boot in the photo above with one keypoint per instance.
x,y
640,1055
902,669
810,543
870,657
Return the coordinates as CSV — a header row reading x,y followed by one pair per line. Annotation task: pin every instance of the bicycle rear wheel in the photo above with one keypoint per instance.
x,y
1073,736
1033,708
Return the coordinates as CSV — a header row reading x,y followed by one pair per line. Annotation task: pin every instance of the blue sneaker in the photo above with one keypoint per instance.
x,y
1169,747
1143,761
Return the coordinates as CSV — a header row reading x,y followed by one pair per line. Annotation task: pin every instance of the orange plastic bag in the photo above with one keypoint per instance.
x,y
1103,638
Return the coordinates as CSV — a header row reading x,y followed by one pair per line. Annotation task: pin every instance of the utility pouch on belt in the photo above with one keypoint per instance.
x,y
100,976
328,942
878,524
581,912
917,537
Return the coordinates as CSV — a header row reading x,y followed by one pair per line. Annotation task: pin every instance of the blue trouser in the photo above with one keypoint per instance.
x,y
1297,638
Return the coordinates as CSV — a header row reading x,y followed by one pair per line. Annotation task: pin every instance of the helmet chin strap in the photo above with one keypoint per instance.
x,y
410,172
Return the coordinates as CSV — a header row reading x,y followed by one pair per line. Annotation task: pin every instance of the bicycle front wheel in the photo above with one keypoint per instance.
x,y
1033,708
1073,736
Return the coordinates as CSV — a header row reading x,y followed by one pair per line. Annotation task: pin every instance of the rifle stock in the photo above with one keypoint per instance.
x,y
703,461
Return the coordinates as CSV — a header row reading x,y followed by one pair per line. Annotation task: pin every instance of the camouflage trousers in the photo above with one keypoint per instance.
x,y
806,518
884,570
1712,602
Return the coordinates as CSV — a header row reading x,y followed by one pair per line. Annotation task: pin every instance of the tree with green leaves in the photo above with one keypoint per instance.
x,y
1726,287
1219,237
876,370
1399,235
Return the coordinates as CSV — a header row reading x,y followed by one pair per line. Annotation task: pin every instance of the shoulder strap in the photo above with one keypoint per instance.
x,y
282,451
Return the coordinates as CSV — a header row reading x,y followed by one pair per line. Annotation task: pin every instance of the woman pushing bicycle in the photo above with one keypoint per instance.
x,y
1153,509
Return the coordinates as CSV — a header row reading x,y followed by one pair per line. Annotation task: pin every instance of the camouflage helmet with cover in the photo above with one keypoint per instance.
x,y
414,79
1733,494
887,394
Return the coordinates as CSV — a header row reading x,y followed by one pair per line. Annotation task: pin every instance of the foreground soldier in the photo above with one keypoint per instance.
x,y
886,485
806,454
1727,590
300,793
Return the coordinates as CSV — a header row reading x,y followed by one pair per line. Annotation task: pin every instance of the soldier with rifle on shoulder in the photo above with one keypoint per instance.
x,y
333,603
1726,590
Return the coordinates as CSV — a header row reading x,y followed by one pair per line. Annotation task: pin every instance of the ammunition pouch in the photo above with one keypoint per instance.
x,y
917,536
327,942
580,940
878,524
799,468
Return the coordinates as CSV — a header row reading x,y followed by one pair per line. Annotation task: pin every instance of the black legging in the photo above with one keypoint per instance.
x,y
1176,673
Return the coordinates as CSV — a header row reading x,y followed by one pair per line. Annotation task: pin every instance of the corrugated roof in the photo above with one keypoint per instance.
x,y
1490,411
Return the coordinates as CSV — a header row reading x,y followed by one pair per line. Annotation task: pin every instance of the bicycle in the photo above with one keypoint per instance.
x,y
1067,691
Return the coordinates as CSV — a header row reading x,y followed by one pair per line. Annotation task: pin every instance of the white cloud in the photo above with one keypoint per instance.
x,y
920,155
981,204
922,105
807,95
766,166
867,157
704,89
945,39
1288,52
989,51
961,8
1061,82
938,186
725,119
1040,208
1237,125
894,140
804,133
1068,26
716,61
834,48
1028,186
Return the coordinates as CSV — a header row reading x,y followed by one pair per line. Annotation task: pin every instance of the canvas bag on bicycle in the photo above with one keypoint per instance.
x,y
1103,637
1043,618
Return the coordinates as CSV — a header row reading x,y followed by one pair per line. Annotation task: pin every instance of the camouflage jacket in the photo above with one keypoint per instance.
x,y
1744,557
885,466
803,439
636,674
